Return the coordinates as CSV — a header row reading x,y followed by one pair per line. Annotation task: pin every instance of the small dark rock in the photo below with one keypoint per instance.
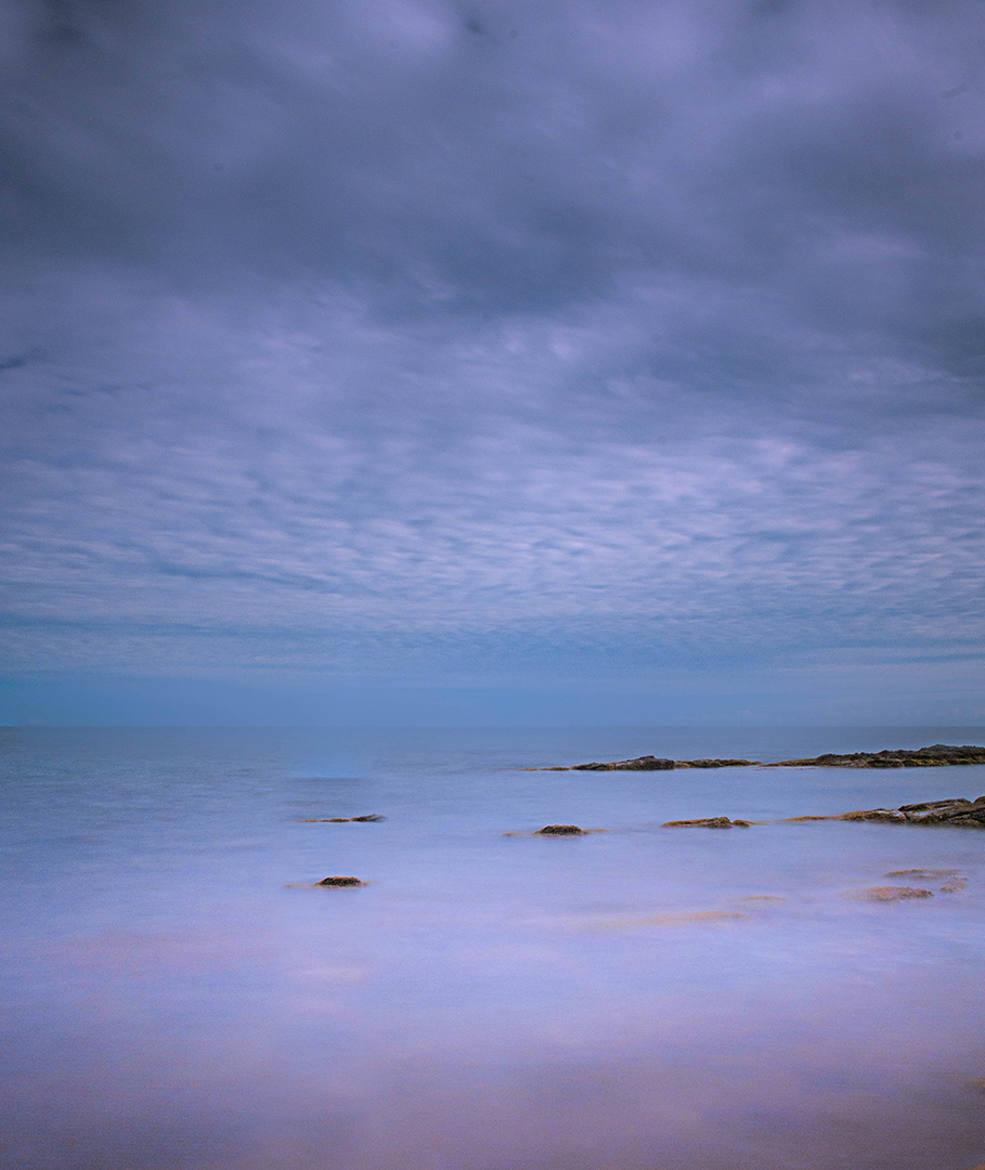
x,y
560,831
340,881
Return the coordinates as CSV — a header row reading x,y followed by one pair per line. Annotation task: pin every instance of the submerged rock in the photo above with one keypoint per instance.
x,y
560,831
337,880
891,893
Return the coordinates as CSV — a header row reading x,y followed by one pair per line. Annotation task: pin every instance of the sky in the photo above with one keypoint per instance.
x,y
433,361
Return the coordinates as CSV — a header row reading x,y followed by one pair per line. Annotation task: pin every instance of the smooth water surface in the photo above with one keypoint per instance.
x,y
176,993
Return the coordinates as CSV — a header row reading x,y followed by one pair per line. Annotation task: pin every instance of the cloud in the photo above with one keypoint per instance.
x,y
365,336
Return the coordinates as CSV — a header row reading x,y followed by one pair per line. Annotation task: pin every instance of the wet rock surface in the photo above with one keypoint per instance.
x,y
560,831
640,764
957,811
650,764
338,880
891,893
706,823
369,817
938,755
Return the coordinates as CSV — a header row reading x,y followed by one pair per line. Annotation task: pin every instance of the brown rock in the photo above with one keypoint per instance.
x,y
923,875
936,756
701,822
891,893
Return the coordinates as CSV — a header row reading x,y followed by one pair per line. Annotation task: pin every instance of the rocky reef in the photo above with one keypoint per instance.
x,y
957,811
649,764
938,755
366,819
707,823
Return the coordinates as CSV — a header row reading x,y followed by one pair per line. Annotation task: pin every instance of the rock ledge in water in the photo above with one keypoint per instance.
x,y
956,811
891,893
368,817
707,823
938,755
337,880
560,831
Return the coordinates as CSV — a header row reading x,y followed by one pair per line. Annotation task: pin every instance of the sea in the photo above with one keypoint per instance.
x,y
178,993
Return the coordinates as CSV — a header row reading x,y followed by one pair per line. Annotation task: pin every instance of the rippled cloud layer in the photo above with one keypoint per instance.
x,y
434,344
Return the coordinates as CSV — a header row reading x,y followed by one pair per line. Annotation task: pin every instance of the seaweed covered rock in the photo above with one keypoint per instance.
x,y
560,831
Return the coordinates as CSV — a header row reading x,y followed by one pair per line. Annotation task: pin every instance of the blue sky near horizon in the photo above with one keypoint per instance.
x,y
426,361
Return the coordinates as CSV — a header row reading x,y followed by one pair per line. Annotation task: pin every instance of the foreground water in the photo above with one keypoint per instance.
x,y
639,999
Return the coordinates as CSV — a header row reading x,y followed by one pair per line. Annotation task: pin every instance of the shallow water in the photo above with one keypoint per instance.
x,y
637,998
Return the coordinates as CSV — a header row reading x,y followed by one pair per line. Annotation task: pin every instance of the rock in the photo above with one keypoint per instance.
x,y
939,755
342,820
702,823
340,881
888,815
651,764
560,831
953,885
923,875
956,811
891,893
717,764
640,764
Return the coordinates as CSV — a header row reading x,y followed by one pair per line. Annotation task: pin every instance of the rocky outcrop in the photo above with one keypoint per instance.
x,y
956,811
939,755
707,823
560,831
640,764
342,820
650,764
336,880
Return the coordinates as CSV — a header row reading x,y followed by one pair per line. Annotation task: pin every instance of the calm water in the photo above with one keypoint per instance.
x,y
640,999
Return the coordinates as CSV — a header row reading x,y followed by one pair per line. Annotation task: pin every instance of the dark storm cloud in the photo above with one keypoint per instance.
x,y
573,324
